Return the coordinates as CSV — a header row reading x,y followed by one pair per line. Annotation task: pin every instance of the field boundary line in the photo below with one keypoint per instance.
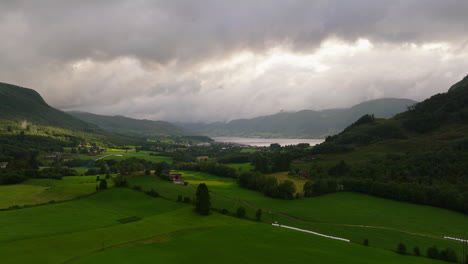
x,y
312,232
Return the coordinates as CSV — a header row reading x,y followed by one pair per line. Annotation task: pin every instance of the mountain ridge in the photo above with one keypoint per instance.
x,y
304,123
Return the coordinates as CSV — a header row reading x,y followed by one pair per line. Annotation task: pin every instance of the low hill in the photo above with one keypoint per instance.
x,y
20,104
305,123
132,127
28,124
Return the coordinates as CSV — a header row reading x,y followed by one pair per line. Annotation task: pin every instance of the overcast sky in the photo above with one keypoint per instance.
x,y
215,60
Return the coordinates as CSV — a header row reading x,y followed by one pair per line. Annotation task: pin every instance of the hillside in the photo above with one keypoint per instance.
x,y
132,127
20,104
29,125
305,123
419,155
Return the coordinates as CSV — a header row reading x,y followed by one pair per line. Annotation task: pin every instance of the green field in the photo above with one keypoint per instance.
x,y
140,155
90,230
355,216
39,191
254,243
246,166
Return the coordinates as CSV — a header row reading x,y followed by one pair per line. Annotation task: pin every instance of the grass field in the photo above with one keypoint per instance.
x,y
244,166
333,214
254,243
39,191
140,155
89,231
282,176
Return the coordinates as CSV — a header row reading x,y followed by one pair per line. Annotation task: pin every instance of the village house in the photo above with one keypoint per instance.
x,y
202,157
54,156
304,175
3,165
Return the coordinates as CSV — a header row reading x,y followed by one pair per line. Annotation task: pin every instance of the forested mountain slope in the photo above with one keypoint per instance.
x,y
420,155
132,127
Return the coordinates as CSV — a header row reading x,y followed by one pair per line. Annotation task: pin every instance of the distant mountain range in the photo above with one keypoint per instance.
x,y
132,127
302,124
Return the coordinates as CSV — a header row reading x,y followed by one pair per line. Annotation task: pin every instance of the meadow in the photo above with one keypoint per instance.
x,y
90,230
355,216
40,191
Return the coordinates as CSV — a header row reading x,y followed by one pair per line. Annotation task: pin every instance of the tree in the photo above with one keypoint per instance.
x,y
401,249
202,200
287,190
433,252
308,189
97,178
258,214
240,212
416,251
366,242
103,184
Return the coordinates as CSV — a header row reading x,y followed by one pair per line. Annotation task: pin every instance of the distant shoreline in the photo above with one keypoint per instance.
x,y
265,142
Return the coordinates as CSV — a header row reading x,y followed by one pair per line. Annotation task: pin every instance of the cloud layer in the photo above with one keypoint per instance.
x,y
218,60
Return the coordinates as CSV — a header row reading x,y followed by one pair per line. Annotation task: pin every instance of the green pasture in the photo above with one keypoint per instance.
x,y
338,208
332,214
61,232
244,166
249,150
39,191
145,155
254,243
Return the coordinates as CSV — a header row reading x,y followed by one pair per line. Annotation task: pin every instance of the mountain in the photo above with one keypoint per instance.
x,y
18,104
418,156
132,127
27,122
302,124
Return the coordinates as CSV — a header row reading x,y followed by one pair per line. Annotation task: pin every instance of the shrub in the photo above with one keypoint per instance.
x,y
240,212
401,249
366,242
433,252
416,251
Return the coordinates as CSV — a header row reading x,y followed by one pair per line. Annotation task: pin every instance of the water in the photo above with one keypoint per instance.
x,y
266,142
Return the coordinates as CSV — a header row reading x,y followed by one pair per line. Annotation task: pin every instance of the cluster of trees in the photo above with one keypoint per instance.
x,y
126,166
277,158
267,185
431,177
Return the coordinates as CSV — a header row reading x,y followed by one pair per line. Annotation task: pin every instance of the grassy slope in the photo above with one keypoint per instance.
x,y
39,191
254,243
331,213
140,155
346,208
168,231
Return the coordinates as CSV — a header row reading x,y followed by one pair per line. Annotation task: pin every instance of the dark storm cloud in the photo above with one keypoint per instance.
x,y
141,50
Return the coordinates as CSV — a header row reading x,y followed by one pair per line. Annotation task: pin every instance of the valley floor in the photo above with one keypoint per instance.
x,y
121,225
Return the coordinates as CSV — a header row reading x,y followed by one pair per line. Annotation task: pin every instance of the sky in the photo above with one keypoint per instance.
x,y
214,60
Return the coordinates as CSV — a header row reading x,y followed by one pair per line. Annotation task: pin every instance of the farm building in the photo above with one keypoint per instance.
x,y
176,176
304,175
3,165
202,157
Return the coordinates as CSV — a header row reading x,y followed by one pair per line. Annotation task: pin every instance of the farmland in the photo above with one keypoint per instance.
x,y
161,228
351,215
